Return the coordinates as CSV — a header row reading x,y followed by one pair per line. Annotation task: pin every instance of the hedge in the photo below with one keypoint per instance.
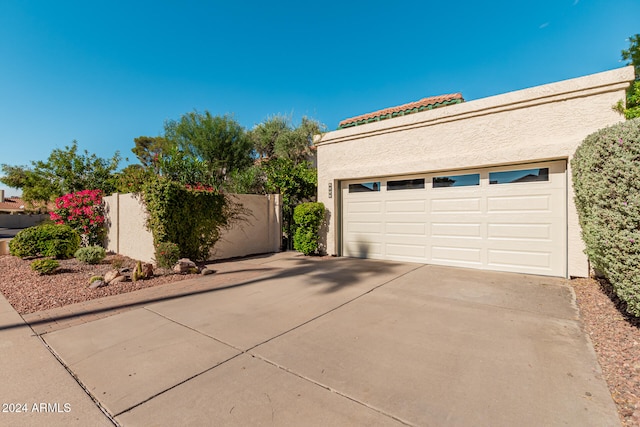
x,y
606,180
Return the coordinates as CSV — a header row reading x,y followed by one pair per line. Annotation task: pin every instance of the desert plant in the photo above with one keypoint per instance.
x,y
95,279
308,218
606,180
167,254
45,266
49,240
90,254
117,262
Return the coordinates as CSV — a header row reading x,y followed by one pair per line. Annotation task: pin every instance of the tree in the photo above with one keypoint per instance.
x,y
218,141
632,55
277,137
65,171
149,148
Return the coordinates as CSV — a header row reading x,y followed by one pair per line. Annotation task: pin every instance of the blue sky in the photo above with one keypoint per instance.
x,y
104,73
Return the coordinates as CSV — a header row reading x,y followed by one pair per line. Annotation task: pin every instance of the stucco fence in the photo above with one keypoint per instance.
x,y
259,232
21,220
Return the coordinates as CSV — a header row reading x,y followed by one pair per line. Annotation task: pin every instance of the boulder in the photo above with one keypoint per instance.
x,y
206,271
184,265
97,284
110,275
118,280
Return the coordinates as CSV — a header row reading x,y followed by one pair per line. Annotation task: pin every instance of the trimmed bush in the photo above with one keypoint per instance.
x,y
91,254
308,218
167,254
48,240
45,266
606,180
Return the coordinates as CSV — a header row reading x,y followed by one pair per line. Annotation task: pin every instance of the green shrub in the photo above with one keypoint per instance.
x,y
308,218
606,180
45,266
167,254
191,216
49,240
91,254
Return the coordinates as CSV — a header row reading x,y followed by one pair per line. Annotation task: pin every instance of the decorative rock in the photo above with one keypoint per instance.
x,y
206,271
184,265
110,275
118,280
147,269
97,284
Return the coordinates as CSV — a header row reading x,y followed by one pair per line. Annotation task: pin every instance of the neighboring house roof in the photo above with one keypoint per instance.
x,y
16,204
402,110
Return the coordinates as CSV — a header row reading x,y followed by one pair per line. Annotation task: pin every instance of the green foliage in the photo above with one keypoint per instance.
x,y
90,254
95,279
277,137
131,179
117,262
167,254
180,166
308,218
45,266
65,171
219,142
190,217
148,149
49,240
606,180
296,183
632,55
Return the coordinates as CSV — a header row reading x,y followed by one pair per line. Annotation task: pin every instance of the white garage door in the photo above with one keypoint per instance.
x,y
506,218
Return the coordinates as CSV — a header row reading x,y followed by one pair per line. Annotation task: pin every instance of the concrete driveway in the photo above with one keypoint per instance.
x,y
346,342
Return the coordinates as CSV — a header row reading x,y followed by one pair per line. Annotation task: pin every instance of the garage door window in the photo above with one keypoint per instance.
x,y
456,180
364,187
405,184
516,176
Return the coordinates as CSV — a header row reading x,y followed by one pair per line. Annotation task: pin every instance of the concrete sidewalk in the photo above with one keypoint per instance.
x,y
330,341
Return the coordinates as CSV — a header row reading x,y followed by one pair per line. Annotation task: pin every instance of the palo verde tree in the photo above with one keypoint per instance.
x,y
65,171
632,56
219,142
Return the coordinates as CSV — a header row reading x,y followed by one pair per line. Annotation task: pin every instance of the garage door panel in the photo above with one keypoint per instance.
x,y
541,260
406,206
417,251
519,231
520,204
458,205
406,228
362,206
510,225
364,249
470,230
456,254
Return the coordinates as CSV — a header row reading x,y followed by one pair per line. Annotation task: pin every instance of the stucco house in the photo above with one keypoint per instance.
x,y
483,184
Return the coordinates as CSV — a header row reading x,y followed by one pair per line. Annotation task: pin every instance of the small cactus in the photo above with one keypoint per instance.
x,y
137,272
95,279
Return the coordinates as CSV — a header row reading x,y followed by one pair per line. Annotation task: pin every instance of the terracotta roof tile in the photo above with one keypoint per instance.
x,y
401,110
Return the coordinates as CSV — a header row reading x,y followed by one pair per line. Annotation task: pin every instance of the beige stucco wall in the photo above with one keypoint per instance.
x,y
259,233
541,123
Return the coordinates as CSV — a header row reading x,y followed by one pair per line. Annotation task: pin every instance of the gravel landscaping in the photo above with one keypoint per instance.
x,y
615,336
29,292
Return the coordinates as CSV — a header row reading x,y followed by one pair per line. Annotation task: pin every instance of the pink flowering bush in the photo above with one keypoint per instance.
x,y
84,212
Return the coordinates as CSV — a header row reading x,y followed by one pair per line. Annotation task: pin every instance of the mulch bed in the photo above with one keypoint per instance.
x,y
616,338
